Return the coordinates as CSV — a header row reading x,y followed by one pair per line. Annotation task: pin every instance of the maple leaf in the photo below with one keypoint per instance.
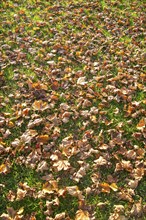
x,y
61,165
50,187
12,214
20,194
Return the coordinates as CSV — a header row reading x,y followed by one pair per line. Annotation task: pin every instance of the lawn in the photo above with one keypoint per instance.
x,y
72,110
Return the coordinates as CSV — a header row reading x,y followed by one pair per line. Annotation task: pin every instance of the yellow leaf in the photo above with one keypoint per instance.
x,y
114,187
3,168
10,124
20,211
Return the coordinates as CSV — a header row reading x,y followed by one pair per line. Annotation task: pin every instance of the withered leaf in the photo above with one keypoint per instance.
x,y
61,165
20,194
39,105
43,138
80,215
50,187
141,124
4,168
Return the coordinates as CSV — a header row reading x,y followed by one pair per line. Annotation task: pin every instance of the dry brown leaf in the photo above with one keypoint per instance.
x,y
16,143
82,215
35,122
11,196
60,216
20,194
42,166
103,147
2,121
130,154
50,187
138,173
80,173
27,136
124,195
133,184
137,209
40,105
74,191
100,161
61,165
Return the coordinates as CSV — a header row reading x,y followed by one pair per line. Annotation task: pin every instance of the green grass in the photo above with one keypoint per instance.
x,y
74,34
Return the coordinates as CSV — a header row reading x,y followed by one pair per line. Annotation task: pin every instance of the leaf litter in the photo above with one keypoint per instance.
x,y
72,110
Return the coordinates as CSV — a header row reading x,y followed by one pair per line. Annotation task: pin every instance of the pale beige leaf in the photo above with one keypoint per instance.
x,y
82,215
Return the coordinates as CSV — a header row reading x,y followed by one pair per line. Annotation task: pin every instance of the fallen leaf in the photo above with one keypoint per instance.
x,y
137,209
4,168
114,187
141,124
20,194
61,165
82,215
81,81
60,216
105,187
40,105
50,187
42,166
43,138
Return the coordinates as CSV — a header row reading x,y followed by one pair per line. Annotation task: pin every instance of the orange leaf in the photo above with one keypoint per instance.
x,y
3,168
43,138
105,187
141,124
